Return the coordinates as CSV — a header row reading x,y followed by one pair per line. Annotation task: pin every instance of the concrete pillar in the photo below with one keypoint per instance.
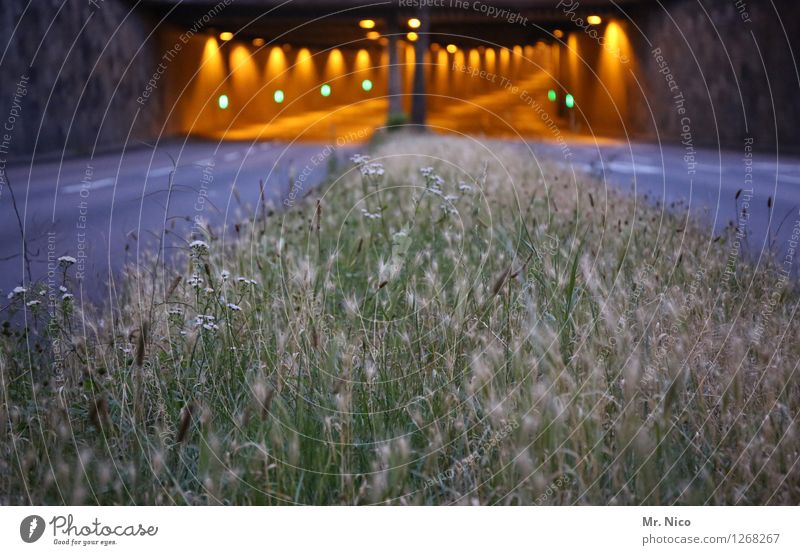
x,y
395,81
419,92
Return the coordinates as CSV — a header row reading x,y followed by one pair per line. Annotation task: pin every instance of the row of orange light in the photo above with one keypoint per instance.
x,y
591,20
415,23
225,36
412,23
451,48
412,36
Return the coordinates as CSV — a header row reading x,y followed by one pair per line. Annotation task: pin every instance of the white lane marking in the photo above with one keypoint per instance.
x,y
608,167
205,162
231,156
710,167
158,172
786,166
772,166
627,167
579,166
789,179
89,185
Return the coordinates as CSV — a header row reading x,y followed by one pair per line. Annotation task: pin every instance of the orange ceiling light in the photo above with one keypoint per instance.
x,y
414,23
412,36
367,23
452,48
225,35
594,20
373,35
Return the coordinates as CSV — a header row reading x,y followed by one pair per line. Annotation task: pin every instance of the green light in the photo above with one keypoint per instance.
x,y
366,84
278,96
569,101
223,101
552,96
325,90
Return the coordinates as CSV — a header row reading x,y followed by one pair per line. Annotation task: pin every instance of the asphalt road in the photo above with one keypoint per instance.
x,y
110,210
704,185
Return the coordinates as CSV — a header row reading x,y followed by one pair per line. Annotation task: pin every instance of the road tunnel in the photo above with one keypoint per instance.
x,y
480,76
305,69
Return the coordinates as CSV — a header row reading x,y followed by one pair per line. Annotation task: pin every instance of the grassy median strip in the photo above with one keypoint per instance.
x,y
445,322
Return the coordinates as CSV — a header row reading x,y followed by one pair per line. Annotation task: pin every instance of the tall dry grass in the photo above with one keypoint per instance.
x,y
444,323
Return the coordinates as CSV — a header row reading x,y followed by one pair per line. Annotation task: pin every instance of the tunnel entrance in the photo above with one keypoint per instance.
x,y
244,87
240,90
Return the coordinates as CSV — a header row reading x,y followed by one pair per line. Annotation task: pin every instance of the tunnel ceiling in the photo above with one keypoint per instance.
x,y
324,23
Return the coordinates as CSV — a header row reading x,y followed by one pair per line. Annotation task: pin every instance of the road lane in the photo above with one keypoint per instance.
x,y
661,175
110,210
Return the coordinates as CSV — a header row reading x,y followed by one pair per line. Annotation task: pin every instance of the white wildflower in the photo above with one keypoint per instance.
x,y
203,320
369,215
195,281
66,260
432,180
16,291
234,307
67,297
199,247
225,274
33,303
372,169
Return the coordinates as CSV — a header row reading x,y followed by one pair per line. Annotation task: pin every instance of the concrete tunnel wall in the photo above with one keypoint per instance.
x,y
715,49
82,69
